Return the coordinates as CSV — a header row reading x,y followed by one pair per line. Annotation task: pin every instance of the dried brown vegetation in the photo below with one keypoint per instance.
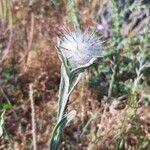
x,y
32,58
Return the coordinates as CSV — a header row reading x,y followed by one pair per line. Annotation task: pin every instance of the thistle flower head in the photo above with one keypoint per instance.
x,y
80,49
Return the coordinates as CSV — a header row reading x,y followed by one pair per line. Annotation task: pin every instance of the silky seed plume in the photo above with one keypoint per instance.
x,y
80,48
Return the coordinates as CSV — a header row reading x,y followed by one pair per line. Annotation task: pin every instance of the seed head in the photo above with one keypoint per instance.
x,y
80,49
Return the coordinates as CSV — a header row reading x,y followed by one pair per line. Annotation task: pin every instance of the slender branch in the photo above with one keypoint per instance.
x,y
33,116
31,32
8,101
82,86
112,80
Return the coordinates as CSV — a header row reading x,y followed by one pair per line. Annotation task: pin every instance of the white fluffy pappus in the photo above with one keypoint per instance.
x,y
80,48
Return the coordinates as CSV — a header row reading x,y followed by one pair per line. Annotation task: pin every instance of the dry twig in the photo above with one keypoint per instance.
x,y
33,117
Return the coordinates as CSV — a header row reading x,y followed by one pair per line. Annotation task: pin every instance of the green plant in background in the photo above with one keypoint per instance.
x,y
117,38
118,67
107,71
143,64
124,71
6,22
8,74
77,51
55,3
3,133
73,13
5,11
132,65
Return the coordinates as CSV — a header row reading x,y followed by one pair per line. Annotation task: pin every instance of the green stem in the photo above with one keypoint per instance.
x,y
81,99
67,84
74,14
112,81
116,16
117,39
115,70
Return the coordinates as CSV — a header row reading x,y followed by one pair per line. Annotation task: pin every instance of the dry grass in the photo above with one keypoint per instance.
x,y
33,56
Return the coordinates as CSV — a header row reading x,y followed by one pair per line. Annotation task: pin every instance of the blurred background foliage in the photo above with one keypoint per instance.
x,y
112,100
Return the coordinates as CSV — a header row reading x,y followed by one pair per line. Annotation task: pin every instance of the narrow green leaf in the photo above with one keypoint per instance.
x,y
2,120
59,129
